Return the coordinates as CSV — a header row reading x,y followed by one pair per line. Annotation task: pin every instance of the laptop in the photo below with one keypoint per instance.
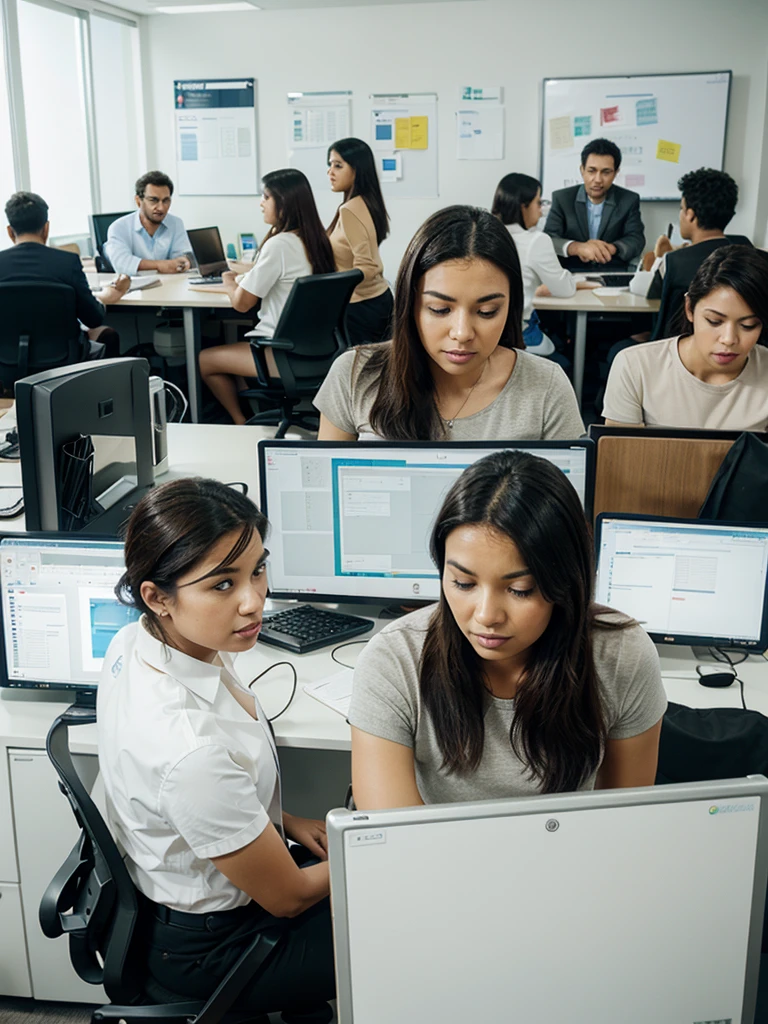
x,y
209,255
631,905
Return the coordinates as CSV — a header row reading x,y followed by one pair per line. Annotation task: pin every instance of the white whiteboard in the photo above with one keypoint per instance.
x,y
664,125
415,176
315,120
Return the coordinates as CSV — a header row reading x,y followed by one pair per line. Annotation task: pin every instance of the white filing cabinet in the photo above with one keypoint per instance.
x,y
46,831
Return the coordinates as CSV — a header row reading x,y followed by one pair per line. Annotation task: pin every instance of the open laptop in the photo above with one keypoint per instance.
x,y
631,905
209,255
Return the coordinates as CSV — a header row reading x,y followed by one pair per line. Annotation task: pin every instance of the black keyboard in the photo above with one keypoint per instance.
x,y
205,280
306,628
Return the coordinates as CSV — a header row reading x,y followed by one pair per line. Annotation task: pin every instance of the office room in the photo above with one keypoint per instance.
x,y
501,608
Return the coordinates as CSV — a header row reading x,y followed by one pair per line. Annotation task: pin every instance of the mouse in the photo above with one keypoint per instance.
x,y
717,679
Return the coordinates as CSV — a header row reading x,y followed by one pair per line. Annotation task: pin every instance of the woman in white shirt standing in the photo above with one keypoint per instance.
x,y
190,768
296,245
517,203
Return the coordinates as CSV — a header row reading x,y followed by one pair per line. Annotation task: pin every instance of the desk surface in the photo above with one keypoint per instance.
x,y
585,301
173,291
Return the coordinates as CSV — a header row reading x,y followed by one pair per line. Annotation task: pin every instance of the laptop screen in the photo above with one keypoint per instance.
x,y
207,247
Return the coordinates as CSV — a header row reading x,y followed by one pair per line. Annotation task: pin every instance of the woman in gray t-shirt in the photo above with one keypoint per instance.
x,y
515,683
455,368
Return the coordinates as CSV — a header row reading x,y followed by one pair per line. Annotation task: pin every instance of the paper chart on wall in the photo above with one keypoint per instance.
x,y
315,120
403,137
215,134
480,132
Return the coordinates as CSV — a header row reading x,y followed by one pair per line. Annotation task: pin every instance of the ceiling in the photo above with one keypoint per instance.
x,y
149,6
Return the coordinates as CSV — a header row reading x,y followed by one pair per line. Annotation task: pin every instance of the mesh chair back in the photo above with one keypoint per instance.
x,y
38,329
99,224
92,897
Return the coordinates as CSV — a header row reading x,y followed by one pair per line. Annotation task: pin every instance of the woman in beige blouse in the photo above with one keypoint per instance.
x,y
360,226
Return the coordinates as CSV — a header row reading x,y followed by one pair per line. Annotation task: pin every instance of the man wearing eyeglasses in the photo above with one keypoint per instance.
x,y
151,238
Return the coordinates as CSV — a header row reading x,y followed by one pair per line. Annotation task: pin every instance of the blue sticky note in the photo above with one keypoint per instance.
x,y
383,131
582,125
389,164
647,112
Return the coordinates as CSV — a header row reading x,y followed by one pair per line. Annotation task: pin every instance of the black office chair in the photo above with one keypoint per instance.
x,y
93,900
99,226
39,330
309,336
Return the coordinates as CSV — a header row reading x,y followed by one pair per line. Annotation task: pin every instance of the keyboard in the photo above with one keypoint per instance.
x,y
306,628
205,280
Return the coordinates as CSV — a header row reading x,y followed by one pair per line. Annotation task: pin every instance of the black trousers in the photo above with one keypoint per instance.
x,y
189,954
370,320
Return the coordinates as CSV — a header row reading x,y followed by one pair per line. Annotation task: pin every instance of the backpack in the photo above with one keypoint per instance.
x,y
699,744
739,491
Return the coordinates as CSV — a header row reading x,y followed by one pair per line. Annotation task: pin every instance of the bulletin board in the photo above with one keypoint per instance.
x,y
404,143
664,125
215,133
315,121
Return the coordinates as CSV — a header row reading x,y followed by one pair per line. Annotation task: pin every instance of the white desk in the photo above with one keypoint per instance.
x,y
585,302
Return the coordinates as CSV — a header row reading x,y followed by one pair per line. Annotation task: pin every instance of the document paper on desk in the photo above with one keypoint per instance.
x,y
334,691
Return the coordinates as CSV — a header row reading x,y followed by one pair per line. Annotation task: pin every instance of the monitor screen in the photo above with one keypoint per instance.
x,y
59,609
352,522
206,245
686,581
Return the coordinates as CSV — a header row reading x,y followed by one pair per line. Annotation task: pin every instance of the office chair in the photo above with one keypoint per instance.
x,y
309,336
93,900
98,224
39,330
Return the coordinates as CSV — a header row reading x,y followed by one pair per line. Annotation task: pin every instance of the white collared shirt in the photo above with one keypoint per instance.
x,y
188,773
539,265
129,242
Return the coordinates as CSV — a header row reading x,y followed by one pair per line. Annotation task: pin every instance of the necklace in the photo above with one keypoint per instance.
x,y
449,423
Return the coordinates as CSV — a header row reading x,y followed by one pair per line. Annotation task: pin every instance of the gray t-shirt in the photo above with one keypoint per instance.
x,y
386,702
536,404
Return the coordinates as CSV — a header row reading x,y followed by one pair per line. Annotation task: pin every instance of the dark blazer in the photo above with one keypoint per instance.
x,y
31,261
621,224
679,270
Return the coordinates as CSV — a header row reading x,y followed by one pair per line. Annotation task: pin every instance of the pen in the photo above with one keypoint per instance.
x,y
669,231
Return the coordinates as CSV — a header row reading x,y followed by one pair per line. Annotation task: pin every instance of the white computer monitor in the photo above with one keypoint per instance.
x,y
686,581
59,609
631,905
352,521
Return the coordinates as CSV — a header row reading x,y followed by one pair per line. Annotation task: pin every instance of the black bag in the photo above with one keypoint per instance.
x,y
700,744
739,491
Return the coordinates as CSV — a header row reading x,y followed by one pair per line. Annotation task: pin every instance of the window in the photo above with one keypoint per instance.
x,y
51,50
7,183
117,102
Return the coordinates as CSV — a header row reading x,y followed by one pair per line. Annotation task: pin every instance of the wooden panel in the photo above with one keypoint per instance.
x,y
657,476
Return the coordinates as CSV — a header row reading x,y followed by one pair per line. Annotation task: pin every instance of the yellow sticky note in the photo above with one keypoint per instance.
x,y
669,151
419,132
402,133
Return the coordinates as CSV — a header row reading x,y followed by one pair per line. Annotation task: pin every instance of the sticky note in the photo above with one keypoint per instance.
x,y
610,115
647,111
560,134
669,151
582,124
419,132
402,133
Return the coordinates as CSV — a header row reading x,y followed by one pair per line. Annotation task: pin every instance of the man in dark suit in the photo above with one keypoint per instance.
x,y
30,259
596,225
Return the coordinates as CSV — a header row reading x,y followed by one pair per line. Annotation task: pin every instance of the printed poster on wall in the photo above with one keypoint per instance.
x,y
215,130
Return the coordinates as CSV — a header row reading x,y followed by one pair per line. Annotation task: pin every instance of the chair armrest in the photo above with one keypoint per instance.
x,y
273,343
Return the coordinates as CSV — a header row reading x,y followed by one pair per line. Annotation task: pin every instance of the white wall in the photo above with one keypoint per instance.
x,y
437,47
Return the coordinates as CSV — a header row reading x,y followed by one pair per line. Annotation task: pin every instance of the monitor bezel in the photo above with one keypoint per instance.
x,y
686,639
584,443
46,684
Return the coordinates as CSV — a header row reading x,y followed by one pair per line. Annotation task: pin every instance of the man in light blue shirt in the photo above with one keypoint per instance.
x,y
150,239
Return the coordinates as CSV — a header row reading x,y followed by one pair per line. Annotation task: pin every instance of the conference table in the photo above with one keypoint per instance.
x,y
584,302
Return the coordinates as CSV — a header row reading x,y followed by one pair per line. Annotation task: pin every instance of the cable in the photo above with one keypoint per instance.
x,y
183,398
722,655
278,664
338,647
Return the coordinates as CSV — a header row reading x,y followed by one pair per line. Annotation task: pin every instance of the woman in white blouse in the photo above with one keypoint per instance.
x,y
517,203
190,768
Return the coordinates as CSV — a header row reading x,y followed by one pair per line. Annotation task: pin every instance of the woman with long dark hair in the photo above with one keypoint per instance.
x,y
517,203
454,368
296,245
713,373
190,768
357,230
515,683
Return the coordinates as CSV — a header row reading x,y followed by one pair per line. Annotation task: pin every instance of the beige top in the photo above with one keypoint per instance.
x,y
649,384
354,245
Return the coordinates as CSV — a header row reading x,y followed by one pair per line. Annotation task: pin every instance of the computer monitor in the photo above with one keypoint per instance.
x,y
59,610
352,521
208,250
99,227
631,905
686,581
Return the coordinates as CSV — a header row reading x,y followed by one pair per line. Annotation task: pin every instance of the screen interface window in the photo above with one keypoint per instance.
x,y
359,525
685,580
59,608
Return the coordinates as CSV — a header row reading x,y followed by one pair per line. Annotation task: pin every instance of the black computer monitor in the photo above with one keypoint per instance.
x,y
59,609
99,226
351,521
104,400
686,581
208,250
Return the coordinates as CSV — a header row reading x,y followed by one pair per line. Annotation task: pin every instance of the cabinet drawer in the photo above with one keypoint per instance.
x,y
14,969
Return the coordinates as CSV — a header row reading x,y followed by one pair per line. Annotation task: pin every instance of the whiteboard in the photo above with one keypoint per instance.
x,y
405,173
632,905
315,120
664,125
